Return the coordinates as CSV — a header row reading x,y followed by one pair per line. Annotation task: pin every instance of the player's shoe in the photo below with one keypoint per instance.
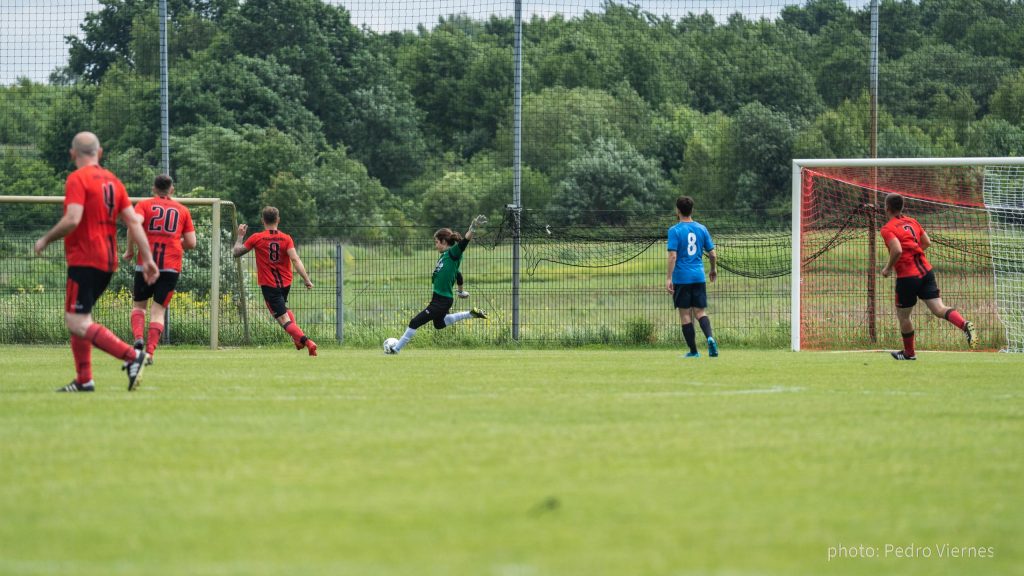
x,y
901,355
311,346
134,369
76,387
712,347
477,313
692,355
972,335
139,344
149,359
390,350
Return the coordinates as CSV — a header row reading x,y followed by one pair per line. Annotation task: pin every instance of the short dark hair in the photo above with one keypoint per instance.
x,y
162,184
894,203
685,205
271,215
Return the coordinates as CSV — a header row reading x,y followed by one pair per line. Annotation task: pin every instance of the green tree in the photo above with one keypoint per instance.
x,y
994,137
609,182
763,149
291,196
1008,100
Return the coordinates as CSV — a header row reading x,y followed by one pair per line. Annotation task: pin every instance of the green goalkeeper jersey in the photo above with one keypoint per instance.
x,y
447,269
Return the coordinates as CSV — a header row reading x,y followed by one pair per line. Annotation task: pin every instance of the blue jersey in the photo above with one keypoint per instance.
x,y
689,240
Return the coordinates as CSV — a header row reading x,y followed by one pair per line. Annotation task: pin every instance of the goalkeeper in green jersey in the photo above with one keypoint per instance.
x,y
452,247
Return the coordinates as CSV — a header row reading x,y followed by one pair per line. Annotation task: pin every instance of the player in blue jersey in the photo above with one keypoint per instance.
x,y
687,243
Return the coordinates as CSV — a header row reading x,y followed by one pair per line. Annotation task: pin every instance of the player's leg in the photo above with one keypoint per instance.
x,y
700,304
89,284
425,315
907,332
681,298
440,307
141,293
929,293
157,312
906,299
162,293
81,348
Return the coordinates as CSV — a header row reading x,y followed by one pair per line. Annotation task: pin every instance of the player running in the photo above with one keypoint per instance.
x,y
452,246
93,199
169,229
275,254
687,242
907,241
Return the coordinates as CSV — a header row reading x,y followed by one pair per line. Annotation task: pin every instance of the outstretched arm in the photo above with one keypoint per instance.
x,y
478,221
239,248
669,287
68,222
137,236
893,244
297,262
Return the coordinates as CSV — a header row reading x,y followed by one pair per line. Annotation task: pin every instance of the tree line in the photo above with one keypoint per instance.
x,y
286,102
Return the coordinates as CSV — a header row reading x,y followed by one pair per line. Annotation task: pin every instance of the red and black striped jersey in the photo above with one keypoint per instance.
x,y
273,265
912,262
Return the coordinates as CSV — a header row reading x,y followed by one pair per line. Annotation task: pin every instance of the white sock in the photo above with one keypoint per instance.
x,y
409,333
457,317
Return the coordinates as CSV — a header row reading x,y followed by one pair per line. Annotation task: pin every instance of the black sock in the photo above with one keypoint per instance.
x,y
705,326
689,334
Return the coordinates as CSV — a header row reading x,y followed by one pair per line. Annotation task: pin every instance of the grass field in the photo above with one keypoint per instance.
x,y
472,462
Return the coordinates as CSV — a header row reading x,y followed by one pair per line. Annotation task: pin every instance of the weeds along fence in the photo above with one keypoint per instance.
x,y
580,286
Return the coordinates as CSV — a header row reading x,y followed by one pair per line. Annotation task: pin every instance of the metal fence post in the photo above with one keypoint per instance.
x,y
339,292
215,277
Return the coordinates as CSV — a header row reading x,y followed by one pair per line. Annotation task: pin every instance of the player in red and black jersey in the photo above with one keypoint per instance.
x,y
275,254
169,229
93,200
907,241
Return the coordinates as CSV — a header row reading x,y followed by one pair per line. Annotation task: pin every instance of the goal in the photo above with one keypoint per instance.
x,y
973,211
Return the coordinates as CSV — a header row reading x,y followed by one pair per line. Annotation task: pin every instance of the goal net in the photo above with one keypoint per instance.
x,y
973,211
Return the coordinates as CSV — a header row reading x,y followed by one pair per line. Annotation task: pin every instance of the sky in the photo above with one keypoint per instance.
x,y
32,31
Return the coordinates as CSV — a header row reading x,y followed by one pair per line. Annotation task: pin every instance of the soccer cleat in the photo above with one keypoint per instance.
x,y
149,359
76,387
712,348
311,346
477,313
900,355
139,344
692,355
134,369
390,349
972,335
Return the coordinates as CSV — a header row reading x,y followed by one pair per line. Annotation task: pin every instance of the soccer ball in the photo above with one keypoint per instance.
x,y
389,346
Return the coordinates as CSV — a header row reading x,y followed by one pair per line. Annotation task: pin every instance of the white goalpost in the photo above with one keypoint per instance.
x,y
972,208
216,205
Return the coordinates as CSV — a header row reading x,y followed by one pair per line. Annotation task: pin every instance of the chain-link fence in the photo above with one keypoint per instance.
x,y
373,123
574,292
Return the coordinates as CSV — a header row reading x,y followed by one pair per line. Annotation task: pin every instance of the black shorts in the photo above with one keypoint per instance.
x,y
161,291
85,286
436,311
909,289
276,299
690,295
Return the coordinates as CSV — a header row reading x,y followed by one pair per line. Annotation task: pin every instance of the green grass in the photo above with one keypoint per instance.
x,y
585,462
